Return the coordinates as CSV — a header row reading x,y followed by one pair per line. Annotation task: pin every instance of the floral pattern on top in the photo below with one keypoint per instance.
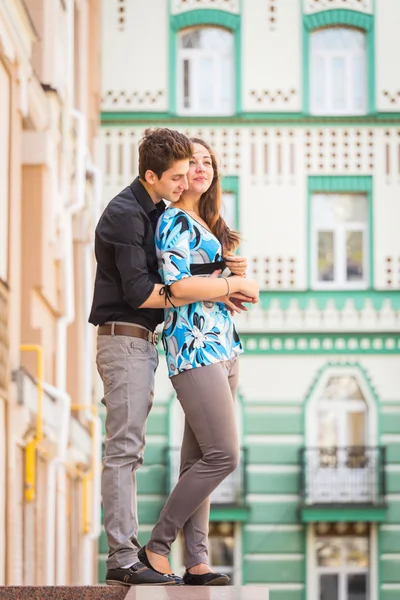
x,y
202,333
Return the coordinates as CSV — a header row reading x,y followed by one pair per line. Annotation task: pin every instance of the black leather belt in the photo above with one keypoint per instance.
x,y
132,330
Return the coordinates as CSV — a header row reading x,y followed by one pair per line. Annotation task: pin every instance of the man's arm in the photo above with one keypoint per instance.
x,y
216,292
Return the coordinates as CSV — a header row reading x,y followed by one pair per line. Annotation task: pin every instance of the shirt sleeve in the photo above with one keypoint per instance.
x,y
173,247
126,235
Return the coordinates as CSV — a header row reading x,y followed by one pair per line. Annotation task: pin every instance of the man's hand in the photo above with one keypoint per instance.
x,y
236,264
234,302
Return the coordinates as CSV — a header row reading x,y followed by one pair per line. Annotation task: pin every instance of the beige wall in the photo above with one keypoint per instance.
x,y
39,166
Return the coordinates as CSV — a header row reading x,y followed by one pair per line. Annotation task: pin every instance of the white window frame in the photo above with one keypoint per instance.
x,y
232,208
328,56
311,587
343,571
194,56
339,241
5,105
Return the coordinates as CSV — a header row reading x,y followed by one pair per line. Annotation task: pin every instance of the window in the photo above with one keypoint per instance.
x,y
342,565
4,168
338,72
339,240
228,209
205,71
222,543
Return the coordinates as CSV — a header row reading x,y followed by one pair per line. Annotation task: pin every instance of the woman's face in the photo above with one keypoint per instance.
x,y
201,171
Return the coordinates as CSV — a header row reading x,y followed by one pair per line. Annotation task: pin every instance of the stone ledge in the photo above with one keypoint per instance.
x,y
133,593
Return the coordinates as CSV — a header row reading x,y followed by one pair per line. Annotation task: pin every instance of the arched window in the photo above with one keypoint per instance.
x,y
205,71
338,71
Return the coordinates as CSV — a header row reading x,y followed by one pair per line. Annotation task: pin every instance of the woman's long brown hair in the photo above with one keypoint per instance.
x,y
210,207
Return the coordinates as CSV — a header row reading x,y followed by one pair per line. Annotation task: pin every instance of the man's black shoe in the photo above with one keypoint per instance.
x,y
137,574
143,558
206,579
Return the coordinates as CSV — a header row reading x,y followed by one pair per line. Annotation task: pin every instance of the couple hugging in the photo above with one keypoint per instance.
x,y
157,263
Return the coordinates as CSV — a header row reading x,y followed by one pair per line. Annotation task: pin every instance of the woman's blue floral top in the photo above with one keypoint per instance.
x,y
201,333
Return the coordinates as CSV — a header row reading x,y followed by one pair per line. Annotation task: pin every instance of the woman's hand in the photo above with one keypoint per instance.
x,y
234,303
236,264
248,287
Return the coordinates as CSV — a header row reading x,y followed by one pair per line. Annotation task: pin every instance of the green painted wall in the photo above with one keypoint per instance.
x,y
273,542
274,571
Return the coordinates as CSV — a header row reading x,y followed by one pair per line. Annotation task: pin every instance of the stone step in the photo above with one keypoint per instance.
x,y
133,593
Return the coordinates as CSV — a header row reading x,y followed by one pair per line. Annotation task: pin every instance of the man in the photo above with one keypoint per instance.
x,y
127,306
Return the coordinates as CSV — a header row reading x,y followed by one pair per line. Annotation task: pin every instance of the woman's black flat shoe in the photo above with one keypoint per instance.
x,y
142,556
206,579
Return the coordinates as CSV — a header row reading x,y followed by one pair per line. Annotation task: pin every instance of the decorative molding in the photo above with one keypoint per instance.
x,y
313,6
245,118
180,6
217,18
267,97
392,97
272,14
339,150
340,184
392,272
297,312
121,8
132,98
274,271
328,18
321,344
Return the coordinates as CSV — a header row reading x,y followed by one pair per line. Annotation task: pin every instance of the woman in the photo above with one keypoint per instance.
x,y
201,346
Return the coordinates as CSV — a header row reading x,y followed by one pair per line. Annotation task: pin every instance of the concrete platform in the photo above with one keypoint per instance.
x,y
134,593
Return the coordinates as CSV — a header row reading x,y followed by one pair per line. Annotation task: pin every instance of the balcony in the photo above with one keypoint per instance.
x,y
342,484
4,342
228,500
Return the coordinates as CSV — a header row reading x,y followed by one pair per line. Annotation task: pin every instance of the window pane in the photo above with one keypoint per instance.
x,y
221,550
226,83
326,270
328,553
191,39
186,84
352,207
206,89
329,587
357,587
342,388
339,83
357,552
354,254
356,429
319,83
359,82
229,209
327,429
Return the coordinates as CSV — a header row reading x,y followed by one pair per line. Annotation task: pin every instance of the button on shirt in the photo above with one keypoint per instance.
x,y
126,259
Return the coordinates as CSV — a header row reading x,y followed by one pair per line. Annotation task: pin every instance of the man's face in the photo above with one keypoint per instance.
x,y
172,182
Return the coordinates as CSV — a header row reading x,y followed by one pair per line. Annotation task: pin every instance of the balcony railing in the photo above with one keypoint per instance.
x,y
353,475
231,492
4,340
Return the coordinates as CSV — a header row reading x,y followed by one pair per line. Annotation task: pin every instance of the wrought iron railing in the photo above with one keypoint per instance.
x,y
4,339
231,492
343,475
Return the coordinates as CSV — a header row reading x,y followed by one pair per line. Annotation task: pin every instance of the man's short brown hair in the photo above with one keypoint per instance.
x,y
160,148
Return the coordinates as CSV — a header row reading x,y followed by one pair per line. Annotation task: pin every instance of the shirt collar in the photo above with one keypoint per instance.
x,y
144,199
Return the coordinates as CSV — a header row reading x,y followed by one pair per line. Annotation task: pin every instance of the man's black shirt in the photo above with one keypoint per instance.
x,y
126,259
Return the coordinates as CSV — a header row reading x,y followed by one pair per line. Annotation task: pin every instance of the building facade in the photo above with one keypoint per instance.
x,y
301,101
50,435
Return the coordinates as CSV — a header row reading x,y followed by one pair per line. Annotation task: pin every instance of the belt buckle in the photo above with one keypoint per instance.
x,y
155,338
